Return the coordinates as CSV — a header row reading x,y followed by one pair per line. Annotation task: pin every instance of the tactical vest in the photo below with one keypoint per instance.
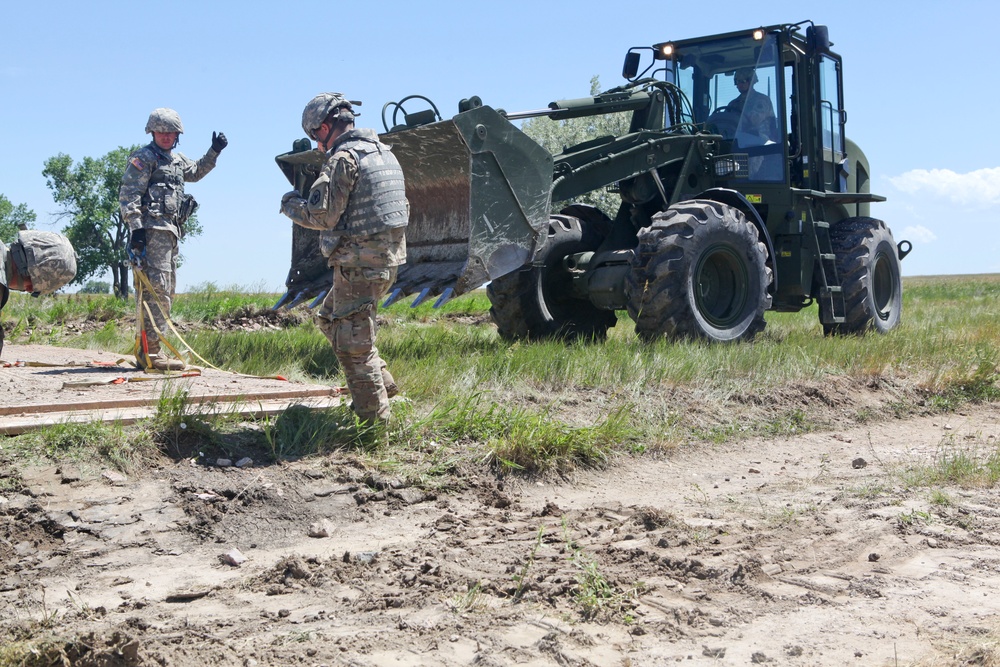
x,y
161,202
378,201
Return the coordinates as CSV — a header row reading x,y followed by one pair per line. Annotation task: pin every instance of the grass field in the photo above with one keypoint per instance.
x,y
531,406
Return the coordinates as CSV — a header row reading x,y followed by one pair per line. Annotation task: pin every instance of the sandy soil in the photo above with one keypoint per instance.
x,y
42,385
794,551
42,377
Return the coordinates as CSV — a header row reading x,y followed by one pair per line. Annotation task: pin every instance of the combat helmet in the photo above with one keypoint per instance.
x,y
164,120
320,107
746,74
45,259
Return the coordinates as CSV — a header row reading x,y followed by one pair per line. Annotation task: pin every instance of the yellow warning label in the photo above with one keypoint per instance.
x,y
754,199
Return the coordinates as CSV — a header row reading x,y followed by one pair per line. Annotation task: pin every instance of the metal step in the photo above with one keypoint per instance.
x,y
831,292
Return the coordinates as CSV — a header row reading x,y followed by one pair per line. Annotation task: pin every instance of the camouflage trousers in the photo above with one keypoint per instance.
x,y
347,318
161,270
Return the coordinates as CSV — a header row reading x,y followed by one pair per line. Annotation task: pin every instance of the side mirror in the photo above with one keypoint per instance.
x,y
818,37
631,66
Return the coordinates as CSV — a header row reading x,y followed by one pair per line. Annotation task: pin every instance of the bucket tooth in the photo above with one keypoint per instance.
x,y
299,298
285,298
445,297
424,293
318,300
393,297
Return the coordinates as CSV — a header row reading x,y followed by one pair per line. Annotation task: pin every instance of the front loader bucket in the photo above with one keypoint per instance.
x,y
309,276
479,191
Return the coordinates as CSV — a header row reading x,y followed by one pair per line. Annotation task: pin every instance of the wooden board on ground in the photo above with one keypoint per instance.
x,y
42,385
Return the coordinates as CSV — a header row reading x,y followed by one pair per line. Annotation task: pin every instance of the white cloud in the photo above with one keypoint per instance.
x,y
976,189
919,233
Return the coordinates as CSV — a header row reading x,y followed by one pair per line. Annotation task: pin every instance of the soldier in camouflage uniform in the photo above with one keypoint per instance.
x,y
37,262
155,208
359,204
756,113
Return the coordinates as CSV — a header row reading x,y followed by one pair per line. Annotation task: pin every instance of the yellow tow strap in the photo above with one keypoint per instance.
x,y
142,282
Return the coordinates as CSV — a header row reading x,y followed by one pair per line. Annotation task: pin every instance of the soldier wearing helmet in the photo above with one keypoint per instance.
x,y
155,208
756,112
358,203
37,262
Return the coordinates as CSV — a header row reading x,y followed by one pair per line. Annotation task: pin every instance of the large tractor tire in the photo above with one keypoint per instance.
x,y
537,301
700,271
869,270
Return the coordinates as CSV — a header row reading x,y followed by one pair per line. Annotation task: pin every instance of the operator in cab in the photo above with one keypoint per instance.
x,y
757,117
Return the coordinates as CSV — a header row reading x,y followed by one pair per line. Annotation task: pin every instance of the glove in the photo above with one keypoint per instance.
x,y
291,194
219,141
137,243
137,247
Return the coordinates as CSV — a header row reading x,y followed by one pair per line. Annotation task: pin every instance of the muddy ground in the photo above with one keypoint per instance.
x,y
808,550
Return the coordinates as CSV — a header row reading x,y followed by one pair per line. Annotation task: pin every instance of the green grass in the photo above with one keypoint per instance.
x,y
302,431
595,595
207,302
969,464
123,447
522,439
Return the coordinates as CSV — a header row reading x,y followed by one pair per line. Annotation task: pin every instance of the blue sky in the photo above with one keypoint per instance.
x,y
81,78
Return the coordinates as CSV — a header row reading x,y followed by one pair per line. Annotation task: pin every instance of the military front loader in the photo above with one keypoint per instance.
x,y
728,209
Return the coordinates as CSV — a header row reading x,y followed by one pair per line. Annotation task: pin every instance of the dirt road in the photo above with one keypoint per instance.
x,y
803,551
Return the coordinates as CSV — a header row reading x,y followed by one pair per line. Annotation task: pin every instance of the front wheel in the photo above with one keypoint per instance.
x,y
537,301
700,271
870,275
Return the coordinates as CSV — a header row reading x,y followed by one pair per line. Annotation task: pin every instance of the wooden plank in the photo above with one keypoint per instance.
x,y
49,385
307,392
15,425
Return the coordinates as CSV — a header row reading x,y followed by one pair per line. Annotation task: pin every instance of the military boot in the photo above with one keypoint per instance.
x,y
144,360
390,383
162,363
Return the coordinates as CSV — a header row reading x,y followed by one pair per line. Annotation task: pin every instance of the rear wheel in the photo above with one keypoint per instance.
x,y
870,275
537,301
700,271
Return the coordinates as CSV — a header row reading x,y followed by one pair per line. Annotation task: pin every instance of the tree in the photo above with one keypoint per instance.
x,y
555,136
96,287
12,218
88,194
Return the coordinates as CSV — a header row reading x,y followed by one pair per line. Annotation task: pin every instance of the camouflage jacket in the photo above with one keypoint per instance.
x,y
334,203
153,186
757,113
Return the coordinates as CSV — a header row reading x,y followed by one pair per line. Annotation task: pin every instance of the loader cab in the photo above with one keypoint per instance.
x,y
735,88
787,126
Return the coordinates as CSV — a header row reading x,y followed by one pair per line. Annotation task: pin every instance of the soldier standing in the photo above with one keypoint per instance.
x,y
155,208
37,262
358,203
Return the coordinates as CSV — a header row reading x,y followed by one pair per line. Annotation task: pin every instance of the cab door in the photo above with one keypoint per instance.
x,y
832,119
